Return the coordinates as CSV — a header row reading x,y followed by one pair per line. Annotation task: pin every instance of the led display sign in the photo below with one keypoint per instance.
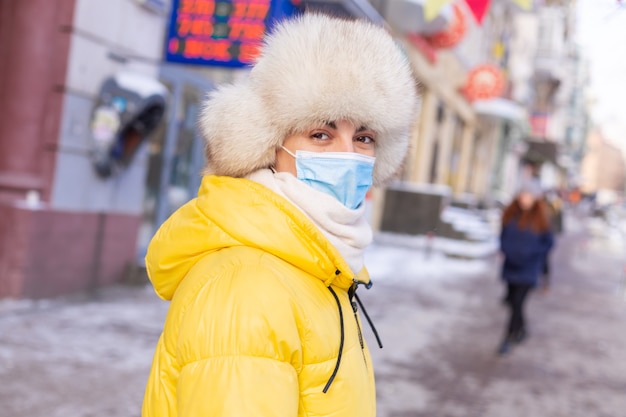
x,y
220,32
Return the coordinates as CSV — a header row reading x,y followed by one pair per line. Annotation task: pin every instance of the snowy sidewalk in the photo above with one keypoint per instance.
x,y
78,357
440,320
441,333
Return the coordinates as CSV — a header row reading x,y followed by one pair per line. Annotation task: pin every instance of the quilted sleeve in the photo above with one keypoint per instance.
x,y
239,347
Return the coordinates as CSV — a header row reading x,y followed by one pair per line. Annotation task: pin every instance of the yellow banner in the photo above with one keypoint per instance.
x,y
524,4
433,7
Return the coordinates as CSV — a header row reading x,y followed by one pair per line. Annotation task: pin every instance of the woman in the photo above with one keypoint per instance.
x,y
525,241
262,267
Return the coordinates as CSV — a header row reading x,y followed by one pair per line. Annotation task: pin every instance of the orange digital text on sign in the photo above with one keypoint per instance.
x,y
244,9
234,29
220,50
220,31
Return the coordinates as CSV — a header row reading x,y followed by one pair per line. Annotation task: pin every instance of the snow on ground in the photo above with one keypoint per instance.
x,y
441,335
452,247
440,319
82,356
78,356
605,235
92,326
412,264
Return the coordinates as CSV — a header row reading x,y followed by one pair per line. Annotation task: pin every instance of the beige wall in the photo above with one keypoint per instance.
x,y
441,83
602,167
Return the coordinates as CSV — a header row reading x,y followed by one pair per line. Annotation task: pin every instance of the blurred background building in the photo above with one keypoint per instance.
x,y
503,100
99,99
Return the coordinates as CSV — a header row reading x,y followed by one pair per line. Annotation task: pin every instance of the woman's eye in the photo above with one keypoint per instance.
x,y
320,136
365,139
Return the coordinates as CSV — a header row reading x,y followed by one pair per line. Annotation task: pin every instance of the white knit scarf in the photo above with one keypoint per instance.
x,y
346,229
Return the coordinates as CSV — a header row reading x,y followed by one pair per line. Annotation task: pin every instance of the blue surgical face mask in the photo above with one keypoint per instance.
x,y
346,176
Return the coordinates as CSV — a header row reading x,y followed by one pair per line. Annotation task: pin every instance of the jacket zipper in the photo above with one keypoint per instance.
x,y
356,319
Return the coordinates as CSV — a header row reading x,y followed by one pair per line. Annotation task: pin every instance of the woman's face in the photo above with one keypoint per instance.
x,y
526,200
339,136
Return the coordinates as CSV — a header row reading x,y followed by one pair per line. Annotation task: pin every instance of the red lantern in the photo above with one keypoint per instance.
x,y
484,82
453,34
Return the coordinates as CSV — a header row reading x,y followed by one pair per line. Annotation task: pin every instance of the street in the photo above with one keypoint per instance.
x,y
440,321
442,338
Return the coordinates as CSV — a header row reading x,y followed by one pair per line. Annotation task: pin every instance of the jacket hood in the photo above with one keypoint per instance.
x,y
232,212
313,69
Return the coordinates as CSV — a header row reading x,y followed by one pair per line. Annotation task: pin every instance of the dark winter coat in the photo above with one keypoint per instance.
x,y
524,253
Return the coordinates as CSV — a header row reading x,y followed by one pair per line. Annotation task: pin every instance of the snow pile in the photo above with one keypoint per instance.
x,y
405,264
467,221
450,247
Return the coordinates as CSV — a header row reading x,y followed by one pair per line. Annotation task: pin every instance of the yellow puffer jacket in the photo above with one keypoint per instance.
x,y
260,318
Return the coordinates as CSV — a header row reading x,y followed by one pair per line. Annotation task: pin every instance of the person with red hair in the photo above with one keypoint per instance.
x,y
525,240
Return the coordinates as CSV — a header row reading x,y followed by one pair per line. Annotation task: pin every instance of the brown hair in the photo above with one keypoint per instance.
x,y
536,218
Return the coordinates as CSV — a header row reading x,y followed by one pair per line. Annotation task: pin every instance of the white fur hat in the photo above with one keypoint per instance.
x,y
531,186
313,69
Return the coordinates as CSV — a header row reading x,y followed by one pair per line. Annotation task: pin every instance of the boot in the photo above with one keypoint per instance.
x,y
520,335
505,346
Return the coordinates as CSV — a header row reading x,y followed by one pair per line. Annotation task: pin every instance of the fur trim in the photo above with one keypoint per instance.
x,y
313,69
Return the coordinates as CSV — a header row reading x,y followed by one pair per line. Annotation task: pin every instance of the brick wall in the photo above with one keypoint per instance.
x,y
46,252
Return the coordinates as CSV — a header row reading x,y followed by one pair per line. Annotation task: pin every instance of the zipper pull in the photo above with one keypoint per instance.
x,y
352,293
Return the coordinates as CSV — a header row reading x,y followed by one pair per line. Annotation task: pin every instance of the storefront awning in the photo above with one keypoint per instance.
x,y
501,108
346,8
407,16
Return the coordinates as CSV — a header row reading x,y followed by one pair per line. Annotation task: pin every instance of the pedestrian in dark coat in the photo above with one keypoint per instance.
x,y
525,240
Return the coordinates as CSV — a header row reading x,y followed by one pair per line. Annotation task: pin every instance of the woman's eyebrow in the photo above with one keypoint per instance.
x,y
333,125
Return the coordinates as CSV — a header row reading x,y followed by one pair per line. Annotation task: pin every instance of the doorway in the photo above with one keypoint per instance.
x,y
176,153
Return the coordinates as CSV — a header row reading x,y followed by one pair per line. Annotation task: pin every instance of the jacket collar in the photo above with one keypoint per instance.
x,y
239,212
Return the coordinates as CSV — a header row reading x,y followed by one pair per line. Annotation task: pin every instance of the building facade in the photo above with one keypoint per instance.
x,y
67,85
63,227
480,148
68,222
